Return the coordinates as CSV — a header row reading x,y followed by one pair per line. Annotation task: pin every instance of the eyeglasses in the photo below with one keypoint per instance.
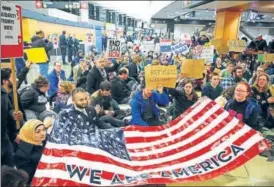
x,y
241,91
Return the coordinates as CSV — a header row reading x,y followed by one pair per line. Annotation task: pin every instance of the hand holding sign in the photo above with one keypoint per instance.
x,y
160,76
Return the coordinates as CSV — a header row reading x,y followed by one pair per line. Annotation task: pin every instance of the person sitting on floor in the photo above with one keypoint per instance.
x,y
121,90
213,89
110,112
143,107
32,141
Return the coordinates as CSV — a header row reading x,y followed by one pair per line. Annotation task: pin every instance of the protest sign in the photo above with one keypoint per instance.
x,y
114,48
11,31
208,53
37,55
268,57
165,46
158,75
148,46
193,68
186,38
236,45
197,50
180,48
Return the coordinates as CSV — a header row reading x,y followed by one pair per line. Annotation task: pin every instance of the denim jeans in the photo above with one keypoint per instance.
x,y
44,68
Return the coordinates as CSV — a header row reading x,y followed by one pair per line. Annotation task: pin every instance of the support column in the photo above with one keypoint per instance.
x,y
227,26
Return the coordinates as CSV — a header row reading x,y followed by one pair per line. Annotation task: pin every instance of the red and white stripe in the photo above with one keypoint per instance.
x,y
200,133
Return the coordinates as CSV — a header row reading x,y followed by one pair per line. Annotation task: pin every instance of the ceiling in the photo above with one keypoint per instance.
x,y
143,10
207,11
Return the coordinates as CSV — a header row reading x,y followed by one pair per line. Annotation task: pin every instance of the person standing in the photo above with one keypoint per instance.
x,y
75,46
70,48
63,46
38,41
6,127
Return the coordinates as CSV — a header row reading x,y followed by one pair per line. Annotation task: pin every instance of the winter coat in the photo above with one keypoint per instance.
x,y
94,78
120,89
27,157
33,99
138,106
54,81
6,126
36,42
181,103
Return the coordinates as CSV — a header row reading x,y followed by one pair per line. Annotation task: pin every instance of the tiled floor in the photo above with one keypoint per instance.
x,y
256,172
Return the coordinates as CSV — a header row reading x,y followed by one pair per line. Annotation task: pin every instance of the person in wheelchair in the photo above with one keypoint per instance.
x,y
144,108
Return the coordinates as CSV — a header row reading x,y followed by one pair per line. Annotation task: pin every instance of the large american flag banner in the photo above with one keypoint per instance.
x,y
202,143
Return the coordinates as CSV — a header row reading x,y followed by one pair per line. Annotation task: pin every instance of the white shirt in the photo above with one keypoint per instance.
x,y
81,110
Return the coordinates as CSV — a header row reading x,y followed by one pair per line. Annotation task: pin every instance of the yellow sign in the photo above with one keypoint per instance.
x,y
193,68
158,75
37,55
217,42
236,45
268,57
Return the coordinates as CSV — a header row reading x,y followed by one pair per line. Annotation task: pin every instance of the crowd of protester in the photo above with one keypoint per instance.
x,y
92,95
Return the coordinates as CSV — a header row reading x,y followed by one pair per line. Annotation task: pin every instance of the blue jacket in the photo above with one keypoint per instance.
x,y
54,81
138,106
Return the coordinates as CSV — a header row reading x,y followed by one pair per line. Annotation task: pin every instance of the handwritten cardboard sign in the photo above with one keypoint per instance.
x,y
180,48
236,45
158,75
193,68
114,48
268,57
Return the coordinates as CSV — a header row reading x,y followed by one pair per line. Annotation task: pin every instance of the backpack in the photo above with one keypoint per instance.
x,y
23,89
252,106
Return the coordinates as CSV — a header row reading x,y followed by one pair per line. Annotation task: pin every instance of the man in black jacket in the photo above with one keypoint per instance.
x,y
70,48
38,41
99,73
121,90
109,113
63,46
6,110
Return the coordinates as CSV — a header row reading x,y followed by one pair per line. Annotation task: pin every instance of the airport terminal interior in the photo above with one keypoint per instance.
x,y
137,93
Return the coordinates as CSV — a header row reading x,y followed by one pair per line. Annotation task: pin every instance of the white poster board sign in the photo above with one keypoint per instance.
x,y
208,53
10,24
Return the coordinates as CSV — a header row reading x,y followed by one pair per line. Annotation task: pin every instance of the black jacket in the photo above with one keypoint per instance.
x,y
94,77
63,41
119,90
6,127
36,41
21,77
181,103
33,99
27,157
82,80
133,70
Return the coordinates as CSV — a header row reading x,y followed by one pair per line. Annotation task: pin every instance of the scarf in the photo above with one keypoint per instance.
x,y
27,132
